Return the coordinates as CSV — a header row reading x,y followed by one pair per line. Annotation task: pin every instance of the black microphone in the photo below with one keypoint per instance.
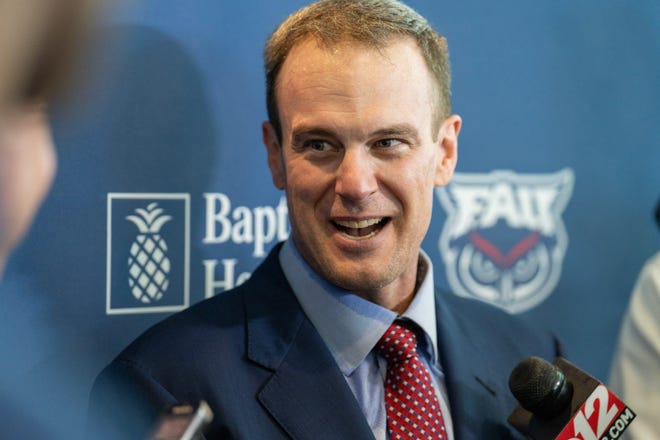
x,y
559,401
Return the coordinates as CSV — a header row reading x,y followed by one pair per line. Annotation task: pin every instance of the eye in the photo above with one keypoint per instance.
x,y
319,145
387,143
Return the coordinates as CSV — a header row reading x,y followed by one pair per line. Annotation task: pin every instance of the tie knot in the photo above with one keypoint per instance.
x,y
397,344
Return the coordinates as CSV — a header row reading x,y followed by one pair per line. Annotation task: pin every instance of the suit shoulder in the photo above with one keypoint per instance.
x,y
210,322
207,328
498,325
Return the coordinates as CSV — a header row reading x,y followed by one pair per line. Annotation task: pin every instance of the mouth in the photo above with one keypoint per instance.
x,y
361,229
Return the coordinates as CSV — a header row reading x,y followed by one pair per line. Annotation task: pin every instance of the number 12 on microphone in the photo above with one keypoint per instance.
x,y
603,416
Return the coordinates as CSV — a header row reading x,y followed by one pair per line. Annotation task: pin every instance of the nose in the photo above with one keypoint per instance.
x,y
355,175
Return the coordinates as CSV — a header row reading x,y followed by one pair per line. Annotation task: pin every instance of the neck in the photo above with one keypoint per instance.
x,y
398,295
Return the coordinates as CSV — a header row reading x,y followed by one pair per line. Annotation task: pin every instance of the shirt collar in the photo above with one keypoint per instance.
x,y
349,325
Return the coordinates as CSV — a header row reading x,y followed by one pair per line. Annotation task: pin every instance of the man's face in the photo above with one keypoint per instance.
x,y
27,166
359,161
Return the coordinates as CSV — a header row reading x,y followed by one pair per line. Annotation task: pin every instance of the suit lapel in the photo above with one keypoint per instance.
x,y
307,393
474,391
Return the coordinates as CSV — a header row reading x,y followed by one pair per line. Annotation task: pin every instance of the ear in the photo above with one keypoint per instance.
x,y
275,159
448,149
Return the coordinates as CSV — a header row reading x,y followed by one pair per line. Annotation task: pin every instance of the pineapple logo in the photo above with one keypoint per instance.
x,y
148,264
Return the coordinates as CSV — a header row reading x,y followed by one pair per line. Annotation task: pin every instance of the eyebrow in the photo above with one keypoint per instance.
x,y
302,133
404,130
398,130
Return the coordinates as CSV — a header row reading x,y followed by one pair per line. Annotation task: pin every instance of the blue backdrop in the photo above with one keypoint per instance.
x,y
549,217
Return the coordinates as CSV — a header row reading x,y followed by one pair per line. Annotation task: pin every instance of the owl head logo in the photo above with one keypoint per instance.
x,y
504,240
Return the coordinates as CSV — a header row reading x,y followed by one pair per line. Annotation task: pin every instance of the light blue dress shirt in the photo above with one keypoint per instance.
x,y
351,326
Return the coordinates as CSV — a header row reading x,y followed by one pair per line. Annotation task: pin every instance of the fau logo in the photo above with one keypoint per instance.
x,y
504,240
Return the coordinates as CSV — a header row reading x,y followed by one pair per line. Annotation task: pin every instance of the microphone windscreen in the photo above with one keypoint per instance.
x,y
540,387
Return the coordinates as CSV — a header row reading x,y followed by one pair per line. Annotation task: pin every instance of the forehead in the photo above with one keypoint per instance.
x,y
354,77
310,55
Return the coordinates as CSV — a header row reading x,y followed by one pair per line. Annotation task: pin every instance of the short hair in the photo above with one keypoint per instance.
x,y
39,45
371,22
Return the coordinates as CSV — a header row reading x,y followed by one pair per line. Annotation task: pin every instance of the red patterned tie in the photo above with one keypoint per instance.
x,y
413,410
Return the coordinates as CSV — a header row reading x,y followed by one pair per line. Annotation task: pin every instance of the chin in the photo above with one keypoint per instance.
x,y
355,280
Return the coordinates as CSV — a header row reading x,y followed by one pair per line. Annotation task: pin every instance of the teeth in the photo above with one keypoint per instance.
x,y
359,224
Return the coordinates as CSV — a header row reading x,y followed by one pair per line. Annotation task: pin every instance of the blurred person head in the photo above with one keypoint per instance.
x,y
38,41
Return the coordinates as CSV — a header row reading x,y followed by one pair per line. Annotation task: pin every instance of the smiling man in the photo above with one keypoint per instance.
x,y
359,154
359,134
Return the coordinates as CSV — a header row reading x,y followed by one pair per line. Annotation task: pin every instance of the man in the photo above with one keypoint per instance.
x,y
359,134
38,46
38,43
27,165
27,157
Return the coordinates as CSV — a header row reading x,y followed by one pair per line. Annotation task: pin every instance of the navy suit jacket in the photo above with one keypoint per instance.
x,y
257,360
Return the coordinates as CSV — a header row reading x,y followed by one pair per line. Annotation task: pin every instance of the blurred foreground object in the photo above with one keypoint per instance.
x,y
636,364
39,41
